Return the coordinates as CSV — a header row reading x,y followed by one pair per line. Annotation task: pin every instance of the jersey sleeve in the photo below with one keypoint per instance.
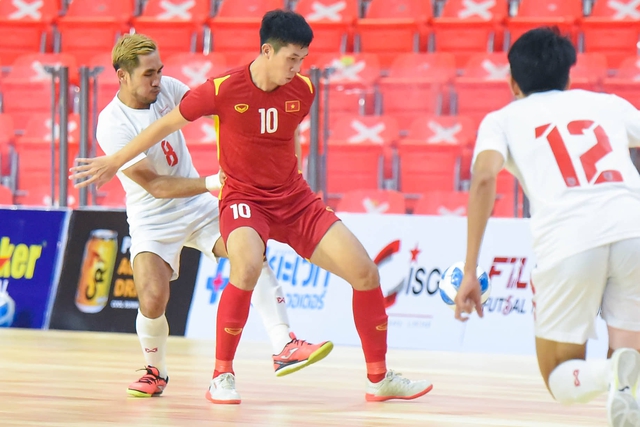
x,y
114,136
631,117
200,101
491,136
175,88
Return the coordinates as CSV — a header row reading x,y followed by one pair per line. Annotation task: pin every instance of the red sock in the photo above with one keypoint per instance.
x,y
233,311
370,318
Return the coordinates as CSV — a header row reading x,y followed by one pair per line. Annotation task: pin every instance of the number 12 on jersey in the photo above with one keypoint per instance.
x,y
588,160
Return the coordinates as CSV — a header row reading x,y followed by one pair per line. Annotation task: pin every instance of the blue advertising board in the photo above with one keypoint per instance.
x,y
31,242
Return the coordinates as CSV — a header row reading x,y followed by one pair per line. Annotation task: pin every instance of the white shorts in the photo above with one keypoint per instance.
x,y
197,228
569,294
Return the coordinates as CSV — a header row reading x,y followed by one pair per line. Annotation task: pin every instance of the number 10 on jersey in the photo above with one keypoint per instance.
x,y
268,120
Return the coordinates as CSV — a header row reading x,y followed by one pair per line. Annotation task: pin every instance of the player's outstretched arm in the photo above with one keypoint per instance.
x,y
100,170
482,195
170,187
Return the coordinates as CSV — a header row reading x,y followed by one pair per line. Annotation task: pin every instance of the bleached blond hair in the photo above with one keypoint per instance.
x,y
127,50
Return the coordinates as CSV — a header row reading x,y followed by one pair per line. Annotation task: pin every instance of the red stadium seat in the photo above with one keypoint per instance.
x,y
427,167
353,129
391,27
34,160
235,28
589,72
372,201
483,87
455,130
193,69
466,27
417,85
6,196
331,21
536,13
353,167
7,136
24,27
27,88
351,85
107,80
626,82
92,26
445,203
176,25
613,29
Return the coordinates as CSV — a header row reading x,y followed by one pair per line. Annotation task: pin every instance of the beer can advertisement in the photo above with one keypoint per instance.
x,y
30,244
97,290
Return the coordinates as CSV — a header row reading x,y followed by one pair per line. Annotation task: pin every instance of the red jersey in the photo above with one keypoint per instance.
x,y
255,128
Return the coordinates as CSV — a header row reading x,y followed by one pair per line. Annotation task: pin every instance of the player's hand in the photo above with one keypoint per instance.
x,y
98,171
469,297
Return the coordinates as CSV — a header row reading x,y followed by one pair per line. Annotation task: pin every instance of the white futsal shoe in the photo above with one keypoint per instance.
x,y
394,386
622,407
223,390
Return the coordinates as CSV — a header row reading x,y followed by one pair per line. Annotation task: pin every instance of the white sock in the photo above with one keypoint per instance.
x,y
579,381
153,334
268,299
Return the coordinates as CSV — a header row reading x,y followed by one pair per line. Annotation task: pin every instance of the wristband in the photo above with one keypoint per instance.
x,y
212,182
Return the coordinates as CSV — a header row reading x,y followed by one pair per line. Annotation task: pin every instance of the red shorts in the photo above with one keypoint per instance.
x,y
298,218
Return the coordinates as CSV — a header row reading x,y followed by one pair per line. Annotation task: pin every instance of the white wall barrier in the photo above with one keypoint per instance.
x,y
411,252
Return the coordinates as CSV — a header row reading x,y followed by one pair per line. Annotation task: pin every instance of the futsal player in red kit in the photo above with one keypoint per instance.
x,y
257,109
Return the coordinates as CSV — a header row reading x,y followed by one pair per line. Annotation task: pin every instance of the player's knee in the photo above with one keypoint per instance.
x,y
245,276
366,277
152,301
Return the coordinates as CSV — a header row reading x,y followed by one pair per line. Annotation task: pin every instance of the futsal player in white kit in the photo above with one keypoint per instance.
x,y
168,207
570,151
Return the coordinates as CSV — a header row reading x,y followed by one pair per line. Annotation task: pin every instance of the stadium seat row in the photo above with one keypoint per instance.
x,y
416,85
462,27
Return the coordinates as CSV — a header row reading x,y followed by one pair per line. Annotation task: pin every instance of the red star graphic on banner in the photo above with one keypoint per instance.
x,y
414,254
3,261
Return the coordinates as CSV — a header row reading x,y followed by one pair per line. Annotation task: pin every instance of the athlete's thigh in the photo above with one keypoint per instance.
x,y
568,295
166,242
206,237
621,302
342,254
245,228
301,220
239,213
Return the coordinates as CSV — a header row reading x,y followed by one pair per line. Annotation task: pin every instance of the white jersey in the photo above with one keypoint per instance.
x,y
570,152
119,124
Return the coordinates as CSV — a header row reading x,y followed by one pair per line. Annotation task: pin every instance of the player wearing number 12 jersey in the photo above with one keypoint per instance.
x,y
570,151
258,109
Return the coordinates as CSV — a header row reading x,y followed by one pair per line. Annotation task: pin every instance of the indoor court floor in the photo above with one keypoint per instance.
x,y
64,379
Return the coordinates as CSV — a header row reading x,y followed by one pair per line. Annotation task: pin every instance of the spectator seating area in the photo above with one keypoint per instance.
x,y
410,81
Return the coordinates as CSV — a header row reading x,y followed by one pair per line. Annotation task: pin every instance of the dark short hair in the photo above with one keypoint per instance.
x,y
282,27
540,60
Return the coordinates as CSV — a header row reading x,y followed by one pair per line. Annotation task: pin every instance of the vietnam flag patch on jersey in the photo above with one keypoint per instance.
x,y
292,106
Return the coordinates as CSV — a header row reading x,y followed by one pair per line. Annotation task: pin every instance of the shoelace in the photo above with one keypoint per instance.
x,y
227,381
397,376
149,377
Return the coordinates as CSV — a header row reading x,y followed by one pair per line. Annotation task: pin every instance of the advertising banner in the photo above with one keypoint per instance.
x,y
411,253
96,290
30,241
